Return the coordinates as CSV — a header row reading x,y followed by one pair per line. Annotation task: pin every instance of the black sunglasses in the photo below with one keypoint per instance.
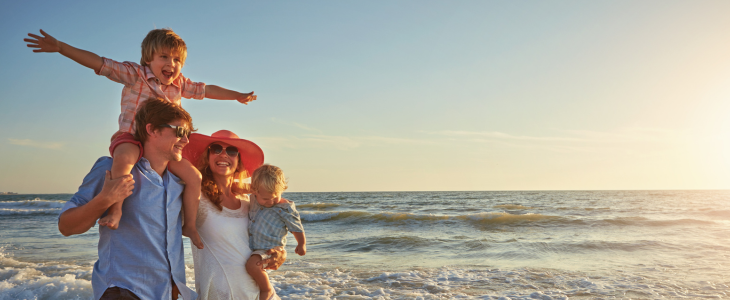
x,y
180,131
217,149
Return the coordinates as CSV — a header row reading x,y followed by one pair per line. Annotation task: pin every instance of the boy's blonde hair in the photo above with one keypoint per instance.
x,y
158,39
270,178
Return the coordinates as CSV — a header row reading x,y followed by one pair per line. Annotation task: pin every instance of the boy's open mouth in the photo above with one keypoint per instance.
x,y
167,74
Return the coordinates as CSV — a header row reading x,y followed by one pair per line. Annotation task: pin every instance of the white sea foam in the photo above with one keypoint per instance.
x,y
38,281
305,281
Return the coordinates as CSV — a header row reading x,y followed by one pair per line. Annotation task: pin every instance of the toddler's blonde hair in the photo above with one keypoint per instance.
x,y
159,39
270,178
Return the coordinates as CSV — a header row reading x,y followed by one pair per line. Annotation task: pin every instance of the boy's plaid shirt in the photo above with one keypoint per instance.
x,y
141,84
269,225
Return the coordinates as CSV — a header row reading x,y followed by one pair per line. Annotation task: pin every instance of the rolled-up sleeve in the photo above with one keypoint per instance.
x,y
126,73
192,90
291,218
91,186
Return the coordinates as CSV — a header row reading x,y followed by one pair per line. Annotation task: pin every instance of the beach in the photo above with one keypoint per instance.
x,y
437,245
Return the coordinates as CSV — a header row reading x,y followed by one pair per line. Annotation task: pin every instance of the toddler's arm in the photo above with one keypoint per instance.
x,y
47,43
219,93
301,243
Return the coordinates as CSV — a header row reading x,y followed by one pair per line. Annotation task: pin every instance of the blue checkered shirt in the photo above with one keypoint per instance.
x,y
269,225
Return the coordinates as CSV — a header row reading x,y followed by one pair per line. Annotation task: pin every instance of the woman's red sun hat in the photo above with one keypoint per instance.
x,y
251,154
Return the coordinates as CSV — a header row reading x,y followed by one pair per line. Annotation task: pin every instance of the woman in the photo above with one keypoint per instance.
x,y
224,160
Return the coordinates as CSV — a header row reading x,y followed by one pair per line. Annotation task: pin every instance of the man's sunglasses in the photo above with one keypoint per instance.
x,y
180,131
217,149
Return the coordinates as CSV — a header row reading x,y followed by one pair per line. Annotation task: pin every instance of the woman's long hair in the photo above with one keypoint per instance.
x,y
211,189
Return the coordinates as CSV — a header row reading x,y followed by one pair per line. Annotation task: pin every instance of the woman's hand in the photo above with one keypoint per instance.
x,y
278,257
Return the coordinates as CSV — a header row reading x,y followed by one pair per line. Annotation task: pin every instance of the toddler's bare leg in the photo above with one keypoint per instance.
x,y
125,156
191,198
266,290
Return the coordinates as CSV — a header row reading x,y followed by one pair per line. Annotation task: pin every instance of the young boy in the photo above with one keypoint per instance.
x,y
270,216
158,76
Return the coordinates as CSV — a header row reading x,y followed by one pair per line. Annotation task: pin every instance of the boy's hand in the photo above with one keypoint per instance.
x,y
245,98
47,43
301,249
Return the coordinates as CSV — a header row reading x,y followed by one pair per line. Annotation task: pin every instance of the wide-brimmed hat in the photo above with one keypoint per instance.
x,y
251,154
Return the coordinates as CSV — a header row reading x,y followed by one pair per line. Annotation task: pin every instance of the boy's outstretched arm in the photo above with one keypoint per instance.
x,y
219,93
47,43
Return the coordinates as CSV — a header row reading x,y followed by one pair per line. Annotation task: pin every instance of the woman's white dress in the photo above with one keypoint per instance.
x,y
220,267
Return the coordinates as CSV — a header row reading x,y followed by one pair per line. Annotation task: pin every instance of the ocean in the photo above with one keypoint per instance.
x,y
438,245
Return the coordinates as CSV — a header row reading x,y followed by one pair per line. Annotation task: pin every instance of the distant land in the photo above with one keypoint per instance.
x,y
8,193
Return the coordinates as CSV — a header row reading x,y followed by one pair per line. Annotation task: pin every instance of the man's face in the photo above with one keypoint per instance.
x,y
166,65
167,142
266,198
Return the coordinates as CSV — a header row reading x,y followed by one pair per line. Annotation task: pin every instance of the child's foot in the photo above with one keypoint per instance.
x,y
111,220
192,233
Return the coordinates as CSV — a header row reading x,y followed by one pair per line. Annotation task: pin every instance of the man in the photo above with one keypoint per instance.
x,y
143,258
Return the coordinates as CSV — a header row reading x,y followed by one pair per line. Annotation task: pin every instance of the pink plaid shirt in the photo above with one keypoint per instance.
x,y
141,84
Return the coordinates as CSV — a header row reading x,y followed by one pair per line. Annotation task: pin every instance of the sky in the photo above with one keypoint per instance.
x,y
396,95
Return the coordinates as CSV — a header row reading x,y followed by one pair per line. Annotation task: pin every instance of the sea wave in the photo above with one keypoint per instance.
x,y
643,221
512,206
318,205
15,211
31,207
391,217
482,219
35,203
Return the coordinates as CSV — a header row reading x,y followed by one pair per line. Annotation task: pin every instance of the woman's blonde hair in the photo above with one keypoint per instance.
x,y
211,189
159,39
271,178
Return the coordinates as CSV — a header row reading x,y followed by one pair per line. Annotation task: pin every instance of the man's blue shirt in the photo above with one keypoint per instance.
x,y
145,253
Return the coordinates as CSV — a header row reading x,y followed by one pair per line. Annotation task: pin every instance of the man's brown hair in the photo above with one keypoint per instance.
x,y
158,112
158,39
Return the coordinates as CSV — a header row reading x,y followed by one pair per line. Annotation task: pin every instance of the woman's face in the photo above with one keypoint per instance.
x,y
222,164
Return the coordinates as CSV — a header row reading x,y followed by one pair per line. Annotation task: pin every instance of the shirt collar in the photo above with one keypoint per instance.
x,y
149,75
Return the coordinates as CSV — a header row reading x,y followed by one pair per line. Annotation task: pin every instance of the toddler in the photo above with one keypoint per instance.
x,y
271,217
157,76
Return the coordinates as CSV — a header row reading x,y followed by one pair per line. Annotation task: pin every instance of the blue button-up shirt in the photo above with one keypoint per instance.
x,y
145,253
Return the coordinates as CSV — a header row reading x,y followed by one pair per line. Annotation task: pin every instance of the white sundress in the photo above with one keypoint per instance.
x,y
220,267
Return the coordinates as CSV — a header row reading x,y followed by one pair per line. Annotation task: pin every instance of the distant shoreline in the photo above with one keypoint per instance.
x,y
8,193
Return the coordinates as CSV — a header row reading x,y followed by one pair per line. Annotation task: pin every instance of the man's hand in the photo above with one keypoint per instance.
x,y
245,98
47,43
118,189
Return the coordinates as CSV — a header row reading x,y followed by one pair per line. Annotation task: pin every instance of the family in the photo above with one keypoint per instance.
x,y
162,182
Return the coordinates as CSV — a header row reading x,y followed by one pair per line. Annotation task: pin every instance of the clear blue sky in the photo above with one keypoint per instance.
x,y
397,95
